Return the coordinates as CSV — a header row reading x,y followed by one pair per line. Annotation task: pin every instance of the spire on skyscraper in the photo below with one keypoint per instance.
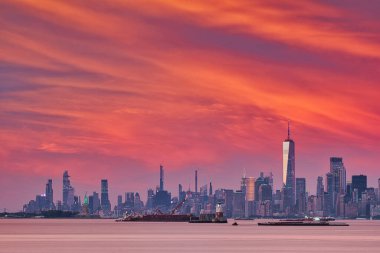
x,y
288,130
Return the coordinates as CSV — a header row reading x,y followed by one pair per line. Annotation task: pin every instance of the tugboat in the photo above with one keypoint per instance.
x,y
303,222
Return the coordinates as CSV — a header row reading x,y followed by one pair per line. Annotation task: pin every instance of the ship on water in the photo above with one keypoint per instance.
x,y
158,216
304,222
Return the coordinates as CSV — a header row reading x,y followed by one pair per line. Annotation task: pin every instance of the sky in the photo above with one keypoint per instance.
x,y
113,89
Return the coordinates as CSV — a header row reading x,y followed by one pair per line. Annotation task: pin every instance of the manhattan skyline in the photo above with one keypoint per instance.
x,y
113,90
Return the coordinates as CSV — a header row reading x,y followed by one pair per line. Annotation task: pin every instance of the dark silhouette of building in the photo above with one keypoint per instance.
x,y
104,199
265,192
162,198
49,195
161,178
130,200
196,181
301,195
68,192
260,181
359,182
331,194
339,172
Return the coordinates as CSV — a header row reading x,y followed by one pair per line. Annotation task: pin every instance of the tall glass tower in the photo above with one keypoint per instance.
x,y
104,200
289,171
49,194
339,171
67,192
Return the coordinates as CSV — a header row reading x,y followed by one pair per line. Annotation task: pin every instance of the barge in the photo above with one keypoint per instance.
x,y
303,222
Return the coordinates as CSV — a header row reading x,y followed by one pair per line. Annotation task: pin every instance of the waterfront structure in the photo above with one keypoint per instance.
x,y
104,198
289,173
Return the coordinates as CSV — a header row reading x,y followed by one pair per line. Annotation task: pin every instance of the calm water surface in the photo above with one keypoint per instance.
x,y
43,235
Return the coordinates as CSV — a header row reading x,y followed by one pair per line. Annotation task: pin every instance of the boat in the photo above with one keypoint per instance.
x,y
243,218
158,216
303,222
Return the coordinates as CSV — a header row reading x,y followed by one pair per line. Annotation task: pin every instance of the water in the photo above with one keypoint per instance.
x,y
70,235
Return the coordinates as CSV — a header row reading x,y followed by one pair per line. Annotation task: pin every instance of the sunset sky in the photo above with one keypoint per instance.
x,y
111,89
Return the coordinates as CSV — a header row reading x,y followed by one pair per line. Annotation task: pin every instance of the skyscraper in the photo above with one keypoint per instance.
x,y
250,189
320,194
96,202
249,195
180,190
49,195
129,200
196,181
149,202
68,192
265,192
210,189
359,182
259,181
320,186
162,198
104,200
301,195
289,171
161,177
339,172
243,186
331,194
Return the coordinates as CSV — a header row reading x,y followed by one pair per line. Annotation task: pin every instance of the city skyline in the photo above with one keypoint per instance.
x,y
288,145
256,197
112,90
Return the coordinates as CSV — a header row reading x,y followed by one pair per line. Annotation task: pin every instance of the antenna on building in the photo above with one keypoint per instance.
x,y
288,130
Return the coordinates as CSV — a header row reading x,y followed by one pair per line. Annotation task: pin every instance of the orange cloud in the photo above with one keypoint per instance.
x,y
113,89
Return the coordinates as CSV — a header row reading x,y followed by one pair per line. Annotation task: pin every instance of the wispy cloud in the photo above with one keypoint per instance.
x,y
117,87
